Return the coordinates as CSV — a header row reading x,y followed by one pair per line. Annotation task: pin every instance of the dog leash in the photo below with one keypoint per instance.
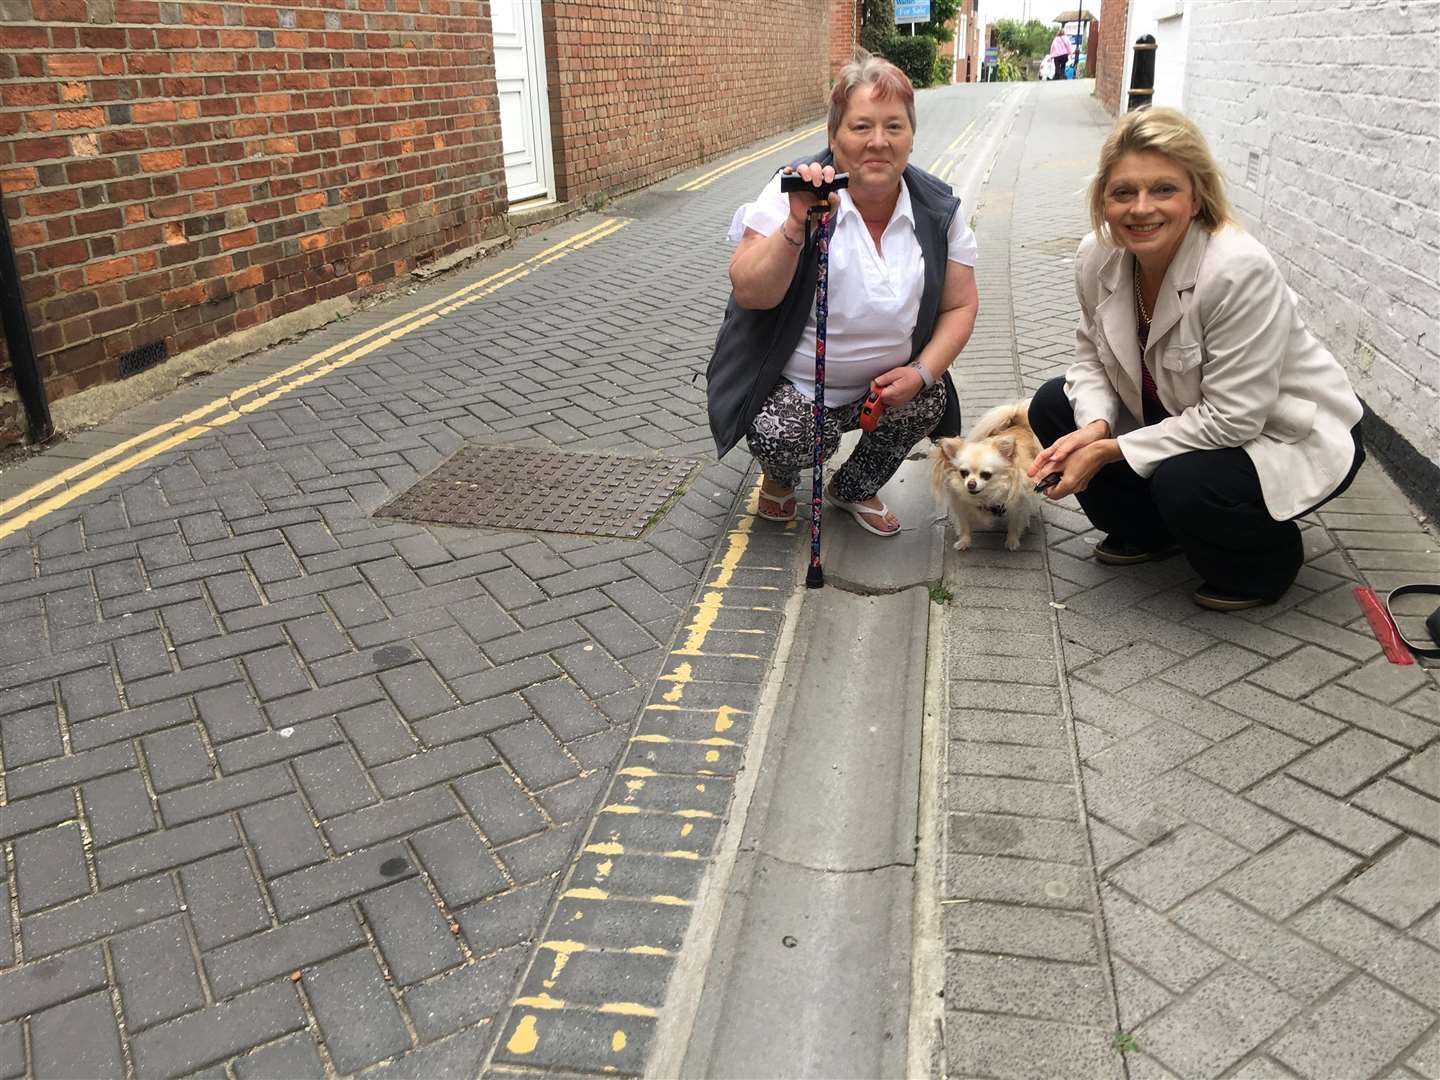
x,y
1432,622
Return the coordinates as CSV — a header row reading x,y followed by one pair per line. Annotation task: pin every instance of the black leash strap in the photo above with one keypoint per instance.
x,y
1432,623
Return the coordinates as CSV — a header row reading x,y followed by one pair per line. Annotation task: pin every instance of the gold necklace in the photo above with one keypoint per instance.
x,y
1140,299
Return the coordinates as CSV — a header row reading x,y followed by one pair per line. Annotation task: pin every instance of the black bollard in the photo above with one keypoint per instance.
x,y
1142,74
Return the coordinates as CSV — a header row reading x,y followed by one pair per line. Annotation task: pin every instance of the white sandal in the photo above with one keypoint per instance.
x,y
778,501
858,510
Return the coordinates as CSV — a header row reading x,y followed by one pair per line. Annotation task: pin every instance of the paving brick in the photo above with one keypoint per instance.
x,y
466,996
1230,1014
1302,671
459,864
294,1057
565,711
88,694
1422,772
1154,944
434,766
282,835
1020,931
270,746
390,818
994,834
99,915
504,679
228,713
155,972
50,868
67,771
984,1044
228,793
1402,806
1036,988
130,723
1126,666
223,900
1391,956
499,806
79,1038
358,1018
117,807
1179,865
1019,881
1149,752
31,736
1235,818
1206,719
378,733
26,815
1006,795
1290,875
164,850
319,886
333,782
212,1034
1403,885
285,949
1337,821
1363,712
1282,714
142,656
415,942
12,1050
1352,1034
1245,758
1270,950
417,691
31,987
1345,763
1385,681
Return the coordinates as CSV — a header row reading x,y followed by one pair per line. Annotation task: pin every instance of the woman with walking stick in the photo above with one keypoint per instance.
x,y
902,304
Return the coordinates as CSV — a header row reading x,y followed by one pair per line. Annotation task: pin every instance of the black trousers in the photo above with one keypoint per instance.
x,y
1207,501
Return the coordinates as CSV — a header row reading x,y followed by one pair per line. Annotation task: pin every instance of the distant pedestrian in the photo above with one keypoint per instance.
x,y
902,305
1199,415
1060,50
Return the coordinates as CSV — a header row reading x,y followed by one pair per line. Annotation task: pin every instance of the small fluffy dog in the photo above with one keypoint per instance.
x,y
981,480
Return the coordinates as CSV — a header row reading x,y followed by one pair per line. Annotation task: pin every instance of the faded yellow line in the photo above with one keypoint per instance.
x,y
714,174
399,327
955,142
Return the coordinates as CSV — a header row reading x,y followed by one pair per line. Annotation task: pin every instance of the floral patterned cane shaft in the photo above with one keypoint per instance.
x,y
822,291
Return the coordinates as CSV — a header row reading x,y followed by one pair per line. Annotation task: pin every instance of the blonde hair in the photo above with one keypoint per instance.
x,y
1172,133
869,70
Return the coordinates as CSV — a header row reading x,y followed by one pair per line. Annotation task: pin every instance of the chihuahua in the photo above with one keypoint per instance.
x,y
981,480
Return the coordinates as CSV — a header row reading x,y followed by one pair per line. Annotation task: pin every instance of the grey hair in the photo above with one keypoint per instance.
x,y
869,70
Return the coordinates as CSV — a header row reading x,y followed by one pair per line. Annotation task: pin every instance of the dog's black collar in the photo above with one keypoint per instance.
x,y
998,509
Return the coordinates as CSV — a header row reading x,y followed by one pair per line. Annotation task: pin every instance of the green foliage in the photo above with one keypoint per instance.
x,y
939,594
1009,69
1028,41
944,69
941,12
877,25
915,56
1125,1042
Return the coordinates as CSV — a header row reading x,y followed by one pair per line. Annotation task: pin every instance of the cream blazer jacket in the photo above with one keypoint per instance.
x,y
1232,362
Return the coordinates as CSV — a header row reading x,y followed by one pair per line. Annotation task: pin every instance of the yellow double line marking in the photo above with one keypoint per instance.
x,y
949,158
729,167
201,421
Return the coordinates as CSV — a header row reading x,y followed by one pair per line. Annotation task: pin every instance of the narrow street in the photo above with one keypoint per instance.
x,y
294,787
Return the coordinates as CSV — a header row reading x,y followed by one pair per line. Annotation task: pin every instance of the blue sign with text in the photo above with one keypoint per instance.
x,y
911,11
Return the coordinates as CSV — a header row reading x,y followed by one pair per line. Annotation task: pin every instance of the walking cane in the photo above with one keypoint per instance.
x,y
815,576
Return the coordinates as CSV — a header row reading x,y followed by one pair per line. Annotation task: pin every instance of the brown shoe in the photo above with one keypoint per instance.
x,y
1208,596
1115,552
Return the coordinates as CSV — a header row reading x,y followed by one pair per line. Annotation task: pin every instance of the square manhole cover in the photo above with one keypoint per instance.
x,y
508,487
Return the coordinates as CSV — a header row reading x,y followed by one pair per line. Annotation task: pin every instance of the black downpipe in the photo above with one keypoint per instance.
x,y
18,342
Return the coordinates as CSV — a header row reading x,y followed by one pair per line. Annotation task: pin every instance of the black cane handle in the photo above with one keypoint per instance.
x,y
790,182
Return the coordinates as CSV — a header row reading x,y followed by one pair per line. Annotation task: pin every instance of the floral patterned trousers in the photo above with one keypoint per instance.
x,y
782,438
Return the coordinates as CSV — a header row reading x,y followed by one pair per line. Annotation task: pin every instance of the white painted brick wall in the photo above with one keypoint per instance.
x,y
1340,100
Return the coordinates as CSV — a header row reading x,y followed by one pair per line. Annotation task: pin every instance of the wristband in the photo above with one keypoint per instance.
x,y
925,376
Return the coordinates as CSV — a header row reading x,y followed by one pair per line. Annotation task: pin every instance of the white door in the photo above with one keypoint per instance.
x,y
524,101
1170,48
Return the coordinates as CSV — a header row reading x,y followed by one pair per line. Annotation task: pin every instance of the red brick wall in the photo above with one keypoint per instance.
x,y
844,33
1108,45
181,170
639,89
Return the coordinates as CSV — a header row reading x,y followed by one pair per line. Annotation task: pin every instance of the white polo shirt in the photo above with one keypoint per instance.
x,y
874,295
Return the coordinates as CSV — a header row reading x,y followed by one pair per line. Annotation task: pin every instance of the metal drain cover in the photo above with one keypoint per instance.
x,y
507,487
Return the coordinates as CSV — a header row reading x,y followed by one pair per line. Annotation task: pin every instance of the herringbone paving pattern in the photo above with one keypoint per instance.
x,y
1262,791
